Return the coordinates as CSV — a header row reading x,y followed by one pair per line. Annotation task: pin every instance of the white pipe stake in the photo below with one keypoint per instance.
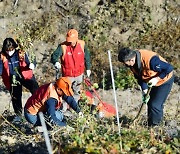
x,y
45,132
115,98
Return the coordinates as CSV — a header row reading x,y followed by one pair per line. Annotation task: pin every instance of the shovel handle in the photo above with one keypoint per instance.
x,y
148,92
142,106
58,74
140,111
88,83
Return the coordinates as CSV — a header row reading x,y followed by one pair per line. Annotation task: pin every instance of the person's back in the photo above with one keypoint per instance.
x,y
48,100
36,100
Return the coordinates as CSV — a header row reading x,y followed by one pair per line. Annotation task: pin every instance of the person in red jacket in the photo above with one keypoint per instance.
x,y
16,71
150,69
72,57
48,100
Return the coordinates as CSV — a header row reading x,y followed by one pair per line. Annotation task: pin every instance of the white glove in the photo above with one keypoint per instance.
x,y
31,66
153,81
81,115
57,65
144,91
101,114
88,72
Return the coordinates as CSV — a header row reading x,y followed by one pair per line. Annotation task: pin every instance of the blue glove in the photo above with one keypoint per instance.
x,y
145,98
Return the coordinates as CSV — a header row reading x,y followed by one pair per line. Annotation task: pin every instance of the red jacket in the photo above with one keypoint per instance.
x,y
36,103
73,59
25,71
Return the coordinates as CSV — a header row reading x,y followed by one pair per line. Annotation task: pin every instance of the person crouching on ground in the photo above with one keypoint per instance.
x,y
48,99
16,71
150,69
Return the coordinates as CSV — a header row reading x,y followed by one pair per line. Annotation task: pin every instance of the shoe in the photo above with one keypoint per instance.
x,y
17,120
68,113
39,129
69,128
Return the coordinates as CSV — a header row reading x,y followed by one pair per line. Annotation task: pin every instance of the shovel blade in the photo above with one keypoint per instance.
x,y
106,109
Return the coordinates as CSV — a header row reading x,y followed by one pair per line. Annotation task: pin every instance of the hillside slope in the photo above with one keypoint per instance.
x,y
102,24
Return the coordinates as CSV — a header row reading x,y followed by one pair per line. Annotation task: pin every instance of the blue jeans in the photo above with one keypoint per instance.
x,y
35,120
158,96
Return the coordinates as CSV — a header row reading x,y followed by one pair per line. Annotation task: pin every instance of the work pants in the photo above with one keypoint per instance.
x,y
158,96
16,93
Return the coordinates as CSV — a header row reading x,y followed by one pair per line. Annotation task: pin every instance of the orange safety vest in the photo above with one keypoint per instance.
x,y
148,74
73,63
25,71
36,103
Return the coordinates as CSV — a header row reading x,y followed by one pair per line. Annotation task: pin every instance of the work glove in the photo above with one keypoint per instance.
x,y
81,115
88,72
145,98
144,92
31,66
101,114
153,82
57,65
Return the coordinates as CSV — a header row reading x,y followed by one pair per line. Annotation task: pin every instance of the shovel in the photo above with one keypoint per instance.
x,y
58,74
105,109
137,118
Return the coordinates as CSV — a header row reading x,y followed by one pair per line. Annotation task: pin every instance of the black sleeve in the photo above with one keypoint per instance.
x,y
87,58
162,67
51,108
56,54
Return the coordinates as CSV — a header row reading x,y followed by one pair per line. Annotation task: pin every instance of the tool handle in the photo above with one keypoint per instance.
x,y
88,83
140,111
58,74
148,92
142,105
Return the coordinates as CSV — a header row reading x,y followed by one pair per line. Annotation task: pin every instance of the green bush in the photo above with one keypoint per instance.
x,y
125,79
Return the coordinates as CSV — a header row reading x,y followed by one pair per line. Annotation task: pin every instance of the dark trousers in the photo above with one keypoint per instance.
x,y
158,96
16,93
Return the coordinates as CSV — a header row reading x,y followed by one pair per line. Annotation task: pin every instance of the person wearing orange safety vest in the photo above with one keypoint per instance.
x,y
150,69
16,71
48,100
72,57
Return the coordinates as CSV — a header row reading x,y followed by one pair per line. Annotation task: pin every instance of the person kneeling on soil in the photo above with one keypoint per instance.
x,y
48,99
